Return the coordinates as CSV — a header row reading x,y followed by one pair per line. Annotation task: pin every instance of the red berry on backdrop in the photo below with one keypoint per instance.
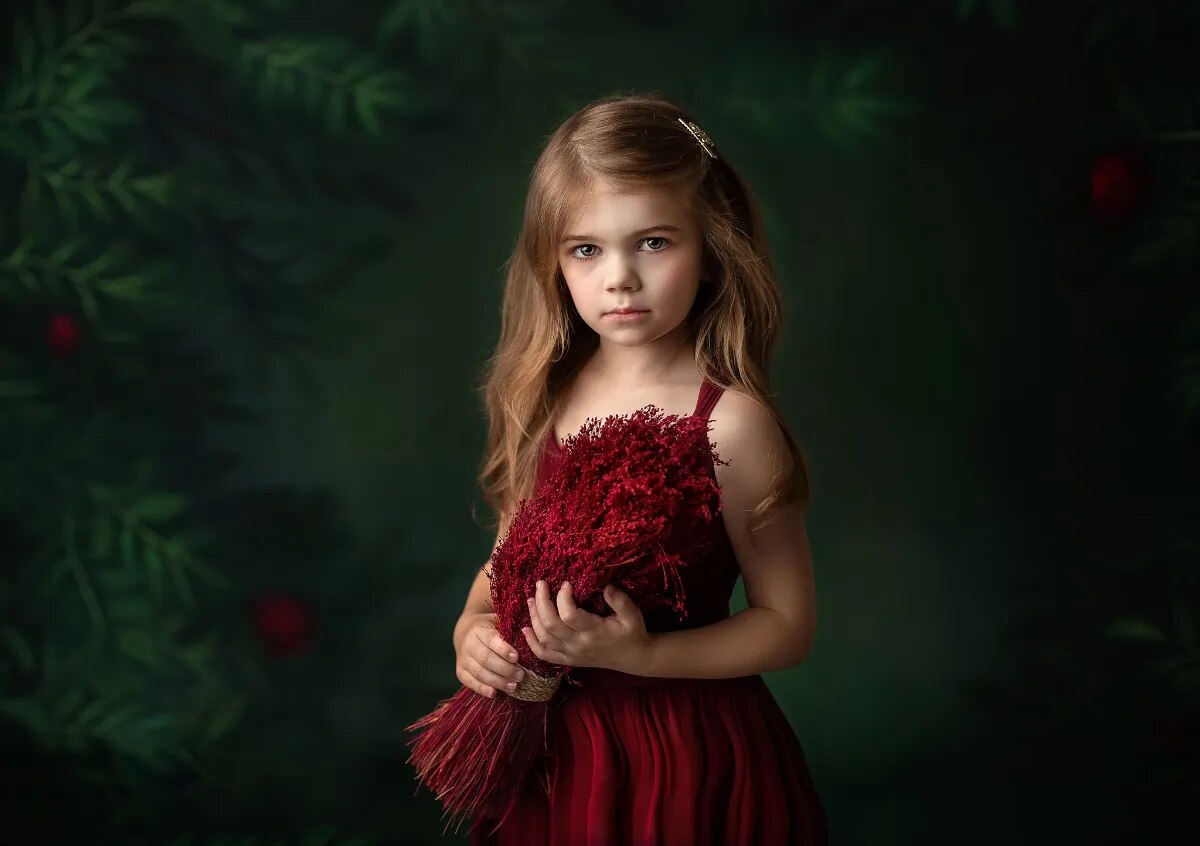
x,y
62,333
1117,185
283,622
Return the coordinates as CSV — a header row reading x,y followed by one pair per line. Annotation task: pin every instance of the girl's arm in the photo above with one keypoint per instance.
x,y
778,628
479,597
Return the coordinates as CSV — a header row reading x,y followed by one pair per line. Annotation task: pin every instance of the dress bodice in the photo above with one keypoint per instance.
x,y
707,583
658,760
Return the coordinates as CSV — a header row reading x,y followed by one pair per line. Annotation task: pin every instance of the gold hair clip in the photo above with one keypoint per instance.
x,y
700,135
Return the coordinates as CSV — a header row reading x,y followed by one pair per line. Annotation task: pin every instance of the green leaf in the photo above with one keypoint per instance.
x,y
140,645
58,572
226,714
127,288
87,303
64,253
1004,13
27,712
1133,629
19,143
320,837
120,43
102,537
154,9
91,713
335,115
768,96
128,553
154,571
1173,237
160,506
18,389
208,574
130,609
113,722
60,141
434,27
68,703
96,202
74,16
20,648
323,77
366,114
965,8
118,580
25,49
43,22
182,587
87,81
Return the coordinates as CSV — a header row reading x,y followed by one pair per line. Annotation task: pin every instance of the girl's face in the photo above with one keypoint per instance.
x,y
632,250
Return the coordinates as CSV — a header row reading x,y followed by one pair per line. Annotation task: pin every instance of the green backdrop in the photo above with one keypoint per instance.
x,y
242,432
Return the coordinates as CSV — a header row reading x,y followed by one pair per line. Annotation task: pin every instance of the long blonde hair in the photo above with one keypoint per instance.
x,y
632,141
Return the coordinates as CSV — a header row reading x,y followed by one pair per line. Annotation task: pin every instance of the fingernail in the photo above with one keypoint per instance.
x,y
512,656
511,685
520,674
564,585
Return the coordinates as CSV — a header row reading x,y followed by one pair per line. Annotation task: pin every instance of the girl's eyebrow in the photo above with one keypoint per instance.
x,y
663,227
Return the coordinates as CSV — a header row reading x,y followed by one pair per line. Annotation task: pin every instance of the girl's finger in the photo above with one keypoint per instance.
x,y
498,664
534,646
502,649
549,613
489,677
473,683
548,655
544,637
572,616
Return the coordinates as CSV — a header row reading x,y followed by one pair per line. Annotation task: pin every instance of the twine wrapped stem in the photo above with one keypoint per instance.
x,y
535,688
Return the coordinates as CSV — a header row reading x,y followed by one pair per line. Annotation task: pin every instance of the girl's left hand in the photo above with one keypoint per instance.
x,y
564,633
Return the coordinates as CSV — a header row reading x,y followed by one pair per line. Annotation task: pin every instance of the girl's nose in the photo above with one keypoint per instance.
x,y
623,279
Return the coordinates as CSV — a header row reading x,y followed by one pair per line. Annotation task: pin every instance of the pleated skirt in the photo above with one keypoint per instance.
x,y
643,761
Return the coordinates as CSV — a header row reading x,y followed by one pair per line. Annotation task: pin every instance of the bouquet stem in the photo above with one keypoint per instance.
x,y
472,744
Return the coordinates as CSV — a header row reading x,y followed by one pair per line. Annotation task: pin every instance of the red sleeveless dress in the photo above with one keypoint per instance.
x,y
640,761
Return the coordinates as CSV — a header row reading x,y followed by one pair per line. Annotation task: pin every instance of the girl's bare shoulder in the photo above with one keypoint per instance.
x,y
748,436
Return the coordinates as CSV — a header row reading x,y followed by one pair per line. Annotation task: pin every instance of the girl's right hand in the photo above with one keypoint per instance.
x,y
482,659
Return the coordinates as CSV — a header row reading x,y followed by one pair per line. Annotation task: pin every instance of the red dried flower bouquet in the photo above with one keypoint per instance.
x,y
626,504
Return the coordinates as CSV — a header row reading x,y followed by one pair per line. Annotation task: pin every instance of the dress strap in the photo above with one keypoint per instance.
x,y
709,394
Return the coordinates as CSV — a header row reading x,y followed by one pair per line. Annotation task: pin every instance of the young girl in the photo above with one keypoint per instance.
x,y
641,275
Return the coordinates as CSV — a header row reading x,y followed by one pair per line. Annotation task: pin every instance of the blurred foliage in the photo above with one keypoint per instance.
x,y
187,183
1002,12
1100,707
844,98
145,144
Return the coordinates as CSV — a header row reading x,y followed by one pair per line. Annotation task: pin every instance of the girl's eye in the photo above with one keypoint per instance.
x,y
658,239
